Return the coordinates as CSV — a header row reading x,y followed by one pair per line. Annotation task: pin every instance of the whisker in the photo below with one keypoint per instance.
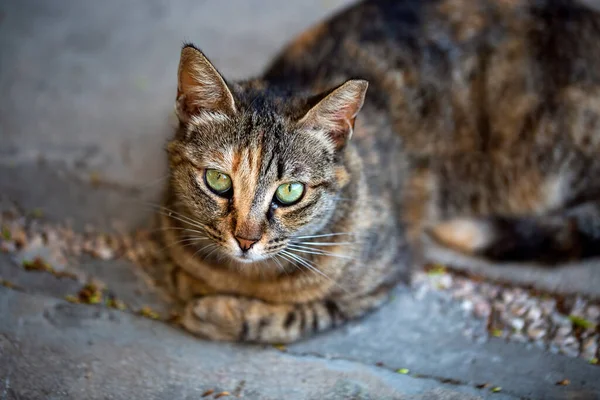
x,y
179,217
281,267
161,209
212,251
328,243
341,199
315,269
171,214
153,182
203,248
291,261
313,248
191,241
323,235
307,264
166,228
277,261
319,252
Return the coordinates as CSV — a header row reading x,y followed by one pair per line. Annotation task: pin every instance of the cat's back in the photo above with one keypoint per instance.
x,y
462,75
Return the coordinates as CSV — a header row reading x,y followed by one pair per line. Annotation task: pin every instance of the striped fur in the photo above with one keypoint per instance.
x,y
479,132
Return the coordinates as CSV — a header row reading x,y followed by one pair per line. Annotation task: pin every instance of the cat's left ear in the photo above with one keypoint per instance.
x,y
200,87
335,114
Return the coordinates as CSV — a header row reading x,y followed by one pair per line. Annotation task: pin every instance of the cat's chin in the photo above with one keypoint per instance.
x,y
248,258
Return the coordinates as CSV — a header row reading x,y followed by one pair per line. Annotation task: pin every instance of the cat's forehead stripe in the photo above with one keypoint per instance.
x,y
235,161
247,193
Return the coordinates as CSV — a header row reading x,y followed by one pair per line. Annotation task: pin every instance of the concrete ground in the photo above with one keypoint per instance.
x,y
87,96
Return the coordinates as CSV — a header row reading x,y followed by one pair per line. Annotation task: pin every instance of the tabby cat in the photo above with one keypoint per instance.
x,y
289,212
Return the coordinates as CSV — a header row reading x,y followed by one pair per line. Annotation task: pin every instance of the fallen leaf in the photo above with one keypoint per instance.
x,y
437,269
95,178
497,332
37,213
37,264
6,234
148,313
581,322
116,304
72,299
90,294
8,284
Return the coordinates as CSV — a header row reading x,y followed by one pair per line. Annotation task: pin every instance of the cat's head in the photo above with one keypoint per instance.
x,y
255,170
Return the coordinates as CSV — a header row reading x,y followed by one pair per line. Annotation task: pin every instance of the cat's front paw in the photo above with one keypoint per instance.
x,y
215,317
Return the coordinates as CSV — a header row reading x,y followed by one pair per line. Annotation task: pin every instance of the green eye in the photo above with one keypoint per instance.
x,y
217,181
289,193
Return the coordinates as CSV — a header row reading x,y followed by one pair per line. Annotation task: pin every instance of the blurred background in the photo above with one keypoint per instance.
x,y
88,89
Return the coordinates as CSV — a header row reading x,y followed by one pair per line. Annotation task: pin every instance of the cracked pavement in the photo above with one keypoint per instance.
x,y
86,108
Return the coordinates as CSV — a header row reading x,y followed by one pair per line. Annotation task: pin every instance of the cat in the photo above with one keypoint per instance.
x,y
298,199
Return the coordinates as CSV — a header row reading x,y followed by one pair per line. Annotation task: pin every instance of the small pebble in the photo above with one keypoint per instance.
x,y
536,331
589,347
560,319
467,305
482,309
578,306
518,309
519,337
593,313
570,347
508,297
534,314
103,253
564,331
548,306
517,324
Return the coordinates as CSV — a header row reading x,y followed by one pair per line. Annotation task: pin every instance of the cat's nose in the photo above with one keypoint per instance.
x,y
246,243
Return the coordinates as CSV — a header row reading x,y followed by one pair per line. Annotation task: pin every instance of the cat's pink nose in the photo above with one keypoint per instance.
x,y
246,243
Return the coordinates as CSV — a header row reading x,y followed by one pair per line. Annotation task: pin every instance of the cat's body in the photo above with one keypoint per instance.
x,y
480,132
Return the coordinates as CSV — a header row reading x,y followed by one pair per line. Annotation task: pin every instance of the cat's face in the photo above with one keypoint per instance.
x,y
253,176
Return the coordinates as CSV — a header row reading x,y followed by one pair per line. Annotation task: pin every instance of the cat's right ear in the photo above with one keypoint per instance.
x,y
334,115
200,87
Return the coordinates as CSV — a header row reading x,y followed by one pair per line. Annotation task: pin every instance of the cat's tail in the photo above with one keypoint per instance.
x,y
547,240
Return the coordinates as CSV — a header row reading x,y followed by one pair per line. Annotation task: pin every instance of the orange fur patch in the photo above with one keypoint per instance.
x,y
466,236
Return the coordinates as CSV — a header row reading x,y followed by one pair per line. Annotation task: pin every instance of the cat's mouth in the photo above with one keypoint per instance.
x,y
248,253
255,255
247,258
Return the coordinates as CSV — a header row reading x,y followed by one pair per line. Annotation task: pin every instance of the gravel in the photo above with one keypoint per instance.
x,y
561,324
